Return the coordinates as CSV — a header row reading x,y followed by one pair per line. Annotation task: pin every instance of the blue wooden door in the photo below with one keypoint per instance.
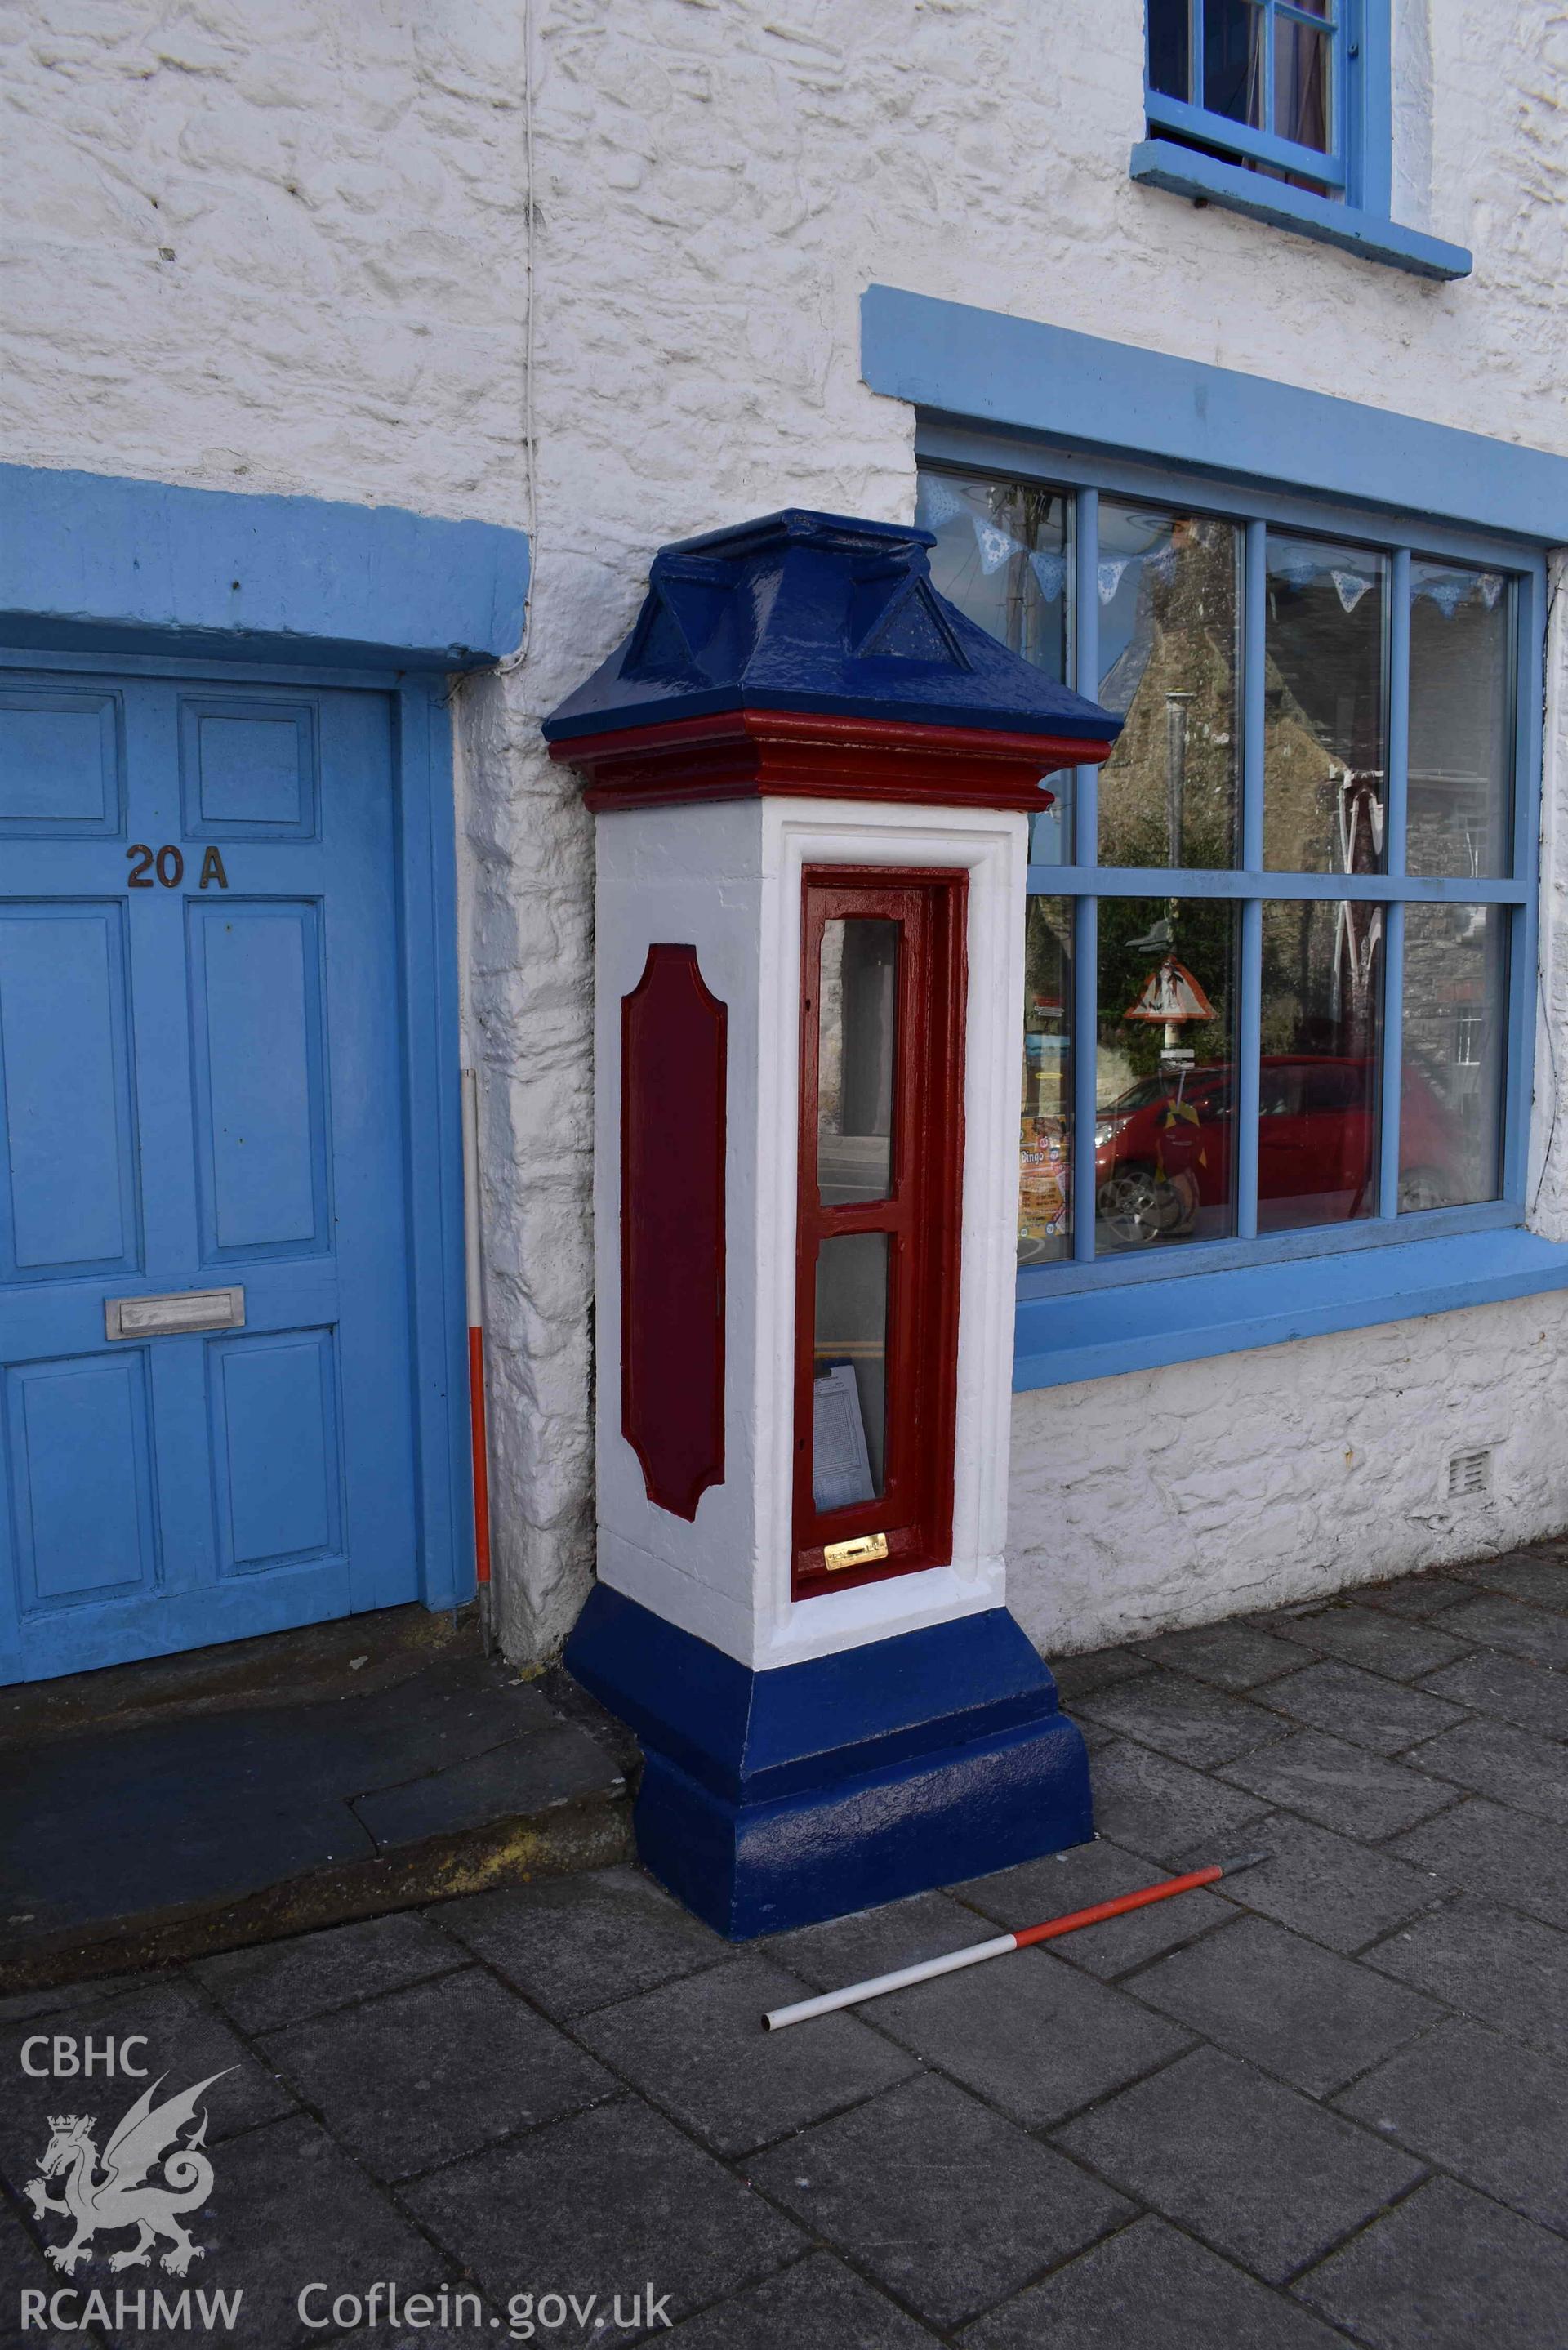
x,y
200,1086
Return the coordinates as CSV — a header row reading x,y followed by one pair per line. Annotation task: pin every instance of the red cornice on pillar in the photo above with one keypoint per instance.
x,y
743,753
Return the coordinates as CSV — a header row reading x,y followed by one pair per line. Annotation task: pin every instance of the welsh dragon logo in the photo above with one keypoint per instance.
x,y
115,2190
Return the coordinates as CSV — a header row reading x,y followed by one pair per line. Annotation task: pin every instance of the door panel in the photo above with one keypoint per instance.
x,y
261,1121
201,1085
65,1069
82,1462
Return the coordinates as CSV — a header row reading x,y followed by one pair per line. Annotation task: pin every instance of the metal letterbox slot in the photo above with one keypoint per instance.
x,y
863,1550
182,1310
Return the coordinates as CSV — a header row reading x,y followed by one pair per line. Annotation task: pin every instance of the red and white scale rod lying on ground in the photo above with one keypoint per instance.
x,y
971,1956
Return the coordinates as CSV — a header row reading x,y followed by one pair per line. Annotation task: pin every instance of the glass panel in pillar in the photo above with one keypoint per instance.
x,y
1045,1117
1450,1108
1169,603
1165,1129
1461,722
1002,557
858,1024
1324,707
849,1371
1317,1085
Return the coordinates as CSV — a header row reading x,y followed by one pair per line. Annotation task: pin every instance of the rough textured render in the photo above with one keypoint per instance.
x,y
282,244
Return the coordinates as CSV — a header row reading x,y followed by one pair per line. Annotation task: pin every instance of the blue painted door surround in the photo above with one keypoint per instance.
x,y
201,1067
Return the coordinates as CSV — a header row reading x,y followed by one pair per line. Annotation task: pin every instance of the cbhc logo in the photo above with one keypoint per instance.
x,y
72,2059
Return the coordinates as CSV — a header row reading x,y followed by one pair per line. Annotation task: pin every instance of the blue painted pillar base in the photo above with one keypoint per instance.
x,y
776,1799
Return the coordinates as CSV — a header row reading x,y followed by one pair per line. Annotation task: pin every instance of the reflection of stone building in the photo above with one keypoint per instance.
x,y
1167,792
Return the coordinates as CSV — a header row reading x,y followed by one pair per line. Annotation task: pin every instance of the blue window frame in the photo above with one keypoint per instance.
x,y
1283,109
1382,952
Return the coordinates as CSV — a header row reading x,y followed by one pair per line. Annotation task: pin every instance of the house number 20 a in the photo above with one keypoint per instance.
x,y
169,864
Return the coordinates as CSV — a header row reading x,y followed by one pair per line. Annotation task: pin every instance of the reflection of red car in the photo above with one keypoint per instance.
x,y
1163,1148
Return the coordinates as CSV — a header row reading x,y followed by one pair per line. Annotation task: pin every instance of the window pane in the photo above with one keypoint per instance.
x,y
1302,97
1324,707
1164,1134
1168,36
1001,557
1168,605
1045,1120
857,1027
849,1381
1233,60
1450,1109
1317,1085
1461,722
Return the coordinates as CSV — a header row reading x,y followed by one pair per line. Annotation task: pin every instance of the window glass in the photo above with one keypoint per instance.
x,y
1164,1132
857,1020
1046,1114
1461,722
1169,613
1450,1109
1317,1080
1169,34
1233,53
1324,707
1302,84
849,1370
1001,557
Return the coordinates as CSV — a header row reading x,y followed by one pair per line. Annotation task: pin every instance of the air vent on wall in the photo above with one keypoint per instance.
x,y
1469,1473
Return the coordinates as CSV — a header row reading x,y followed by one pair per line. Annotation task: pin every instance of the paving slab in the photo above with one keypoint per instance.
x,y
1230,1656
1488,1962
1184,1719
575,1942
1420,1595
879,1942
1096,1668
697,2048
1339,1787
1447,2270
609,2202
1496,1621
1509,1688
1030,2035
1296,2009
1091,1873
1489,1850
1162,1809
1493,1758
1372,1637
1526,1576
1478,2105
1365,1709
943,2202
411,2079
1148,2288
1334,1891
185,2038
1259,2172
818,2304
291,2209
282,1982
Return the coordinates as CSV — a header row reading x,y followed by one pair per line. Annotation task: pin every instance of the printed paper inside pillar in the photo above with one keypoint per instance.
x,y
840,1466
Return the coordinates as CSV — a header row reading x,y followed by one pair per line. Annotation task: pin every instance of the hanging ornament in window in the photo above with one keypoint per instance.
x,y
1050,570
1351,588
1111,579
995,545
938,504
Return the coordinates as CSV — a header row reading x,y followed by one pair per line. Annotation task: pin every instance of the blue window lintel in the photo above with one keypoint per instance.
x,y
1183,172
1100,1333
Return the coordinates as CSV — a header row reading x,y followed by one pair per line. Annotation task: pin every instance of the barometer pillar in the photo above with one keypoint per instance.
x,y
813,778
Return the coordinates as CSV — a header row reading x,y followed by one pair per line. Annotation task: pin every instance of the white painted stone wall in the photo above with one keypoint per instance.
x,y
280,244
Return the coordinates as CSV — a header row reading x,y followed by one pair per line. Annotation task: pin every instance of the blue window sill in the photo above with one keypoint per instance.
x,y
1182,172
1094,1334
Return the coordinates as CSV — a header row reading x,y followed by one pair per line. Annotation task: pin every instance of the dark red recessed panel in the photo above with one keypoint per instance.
x,y
672,1067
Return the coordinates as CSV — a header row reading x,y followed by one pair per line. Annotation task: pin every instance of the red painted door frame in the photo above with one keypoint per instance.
x,y
922,1217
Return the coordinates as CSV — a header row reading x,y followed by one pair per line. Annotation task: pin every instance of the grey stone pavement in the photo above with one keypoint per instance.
x,y
1327,2105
